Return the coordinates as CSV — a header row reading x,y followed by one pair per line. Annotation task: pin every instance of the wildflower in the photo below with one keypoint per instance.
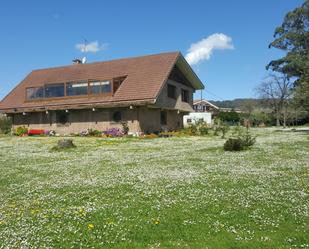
x,y
156,222
90,226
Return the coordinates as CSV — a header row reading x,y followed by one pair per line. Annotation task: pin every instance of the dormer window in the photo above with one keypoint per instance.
x,y
35,93
77,88
54,90
97,87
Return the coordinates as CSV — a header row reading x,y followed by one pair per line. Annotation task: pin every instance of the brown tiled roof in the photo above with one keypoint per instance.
x,y
145,76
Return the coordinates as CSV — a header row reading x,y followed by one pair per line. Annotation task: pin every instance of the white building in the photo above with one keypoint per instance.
x,y
194,117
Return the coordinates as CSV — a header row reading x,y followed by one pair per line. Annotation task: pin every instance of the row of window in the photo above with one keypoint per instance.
x,y
69,89
201,108
171,93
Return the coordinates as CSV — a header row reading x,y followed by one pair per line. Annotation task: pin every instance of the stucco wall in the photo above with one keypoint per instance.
x,y
164,101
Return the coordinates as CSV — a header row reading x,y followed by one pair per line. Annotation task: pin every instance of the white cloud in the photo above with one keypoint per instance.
x,y
202,50
91,47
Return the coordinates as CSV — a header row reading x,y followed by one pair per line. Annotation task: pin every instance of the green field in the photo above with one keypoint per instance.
x,y
181,192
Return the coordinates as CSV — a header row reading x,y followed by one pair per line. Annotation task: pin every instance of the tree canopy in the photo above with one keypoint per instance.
x,y
293,37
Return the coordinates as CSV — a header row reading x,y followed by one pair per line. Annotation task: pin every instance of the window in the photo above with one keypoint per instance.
x,y
77,88
117,116
97,87
117,82
54,90
184,95
189,120
35,93
163,118
171,91
62,117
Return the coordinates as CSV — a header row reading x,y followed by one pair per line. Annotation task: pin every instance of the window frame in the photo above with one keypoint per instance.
x,y
185,96
34,99
171,87
111,81
50,84
65,96
76,83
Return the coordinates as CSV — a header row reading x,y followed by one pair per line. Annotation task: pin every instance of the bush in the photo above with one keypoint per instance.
x,y
20,131
125,128
241,139
231,117
94,133
233,144
199,128
5,125
220,127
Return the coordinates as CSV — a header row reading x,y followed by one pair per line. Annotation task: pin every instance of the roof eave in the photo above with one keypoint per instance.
x,y
189,73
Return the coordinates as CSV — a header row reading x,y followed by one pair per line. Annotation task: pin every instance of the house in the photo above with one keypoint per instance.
x,y
148,93
195,117
205,106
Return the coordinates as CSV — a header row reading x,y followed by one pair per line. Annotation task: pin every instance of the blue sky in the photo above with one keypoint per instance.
x,y
40,34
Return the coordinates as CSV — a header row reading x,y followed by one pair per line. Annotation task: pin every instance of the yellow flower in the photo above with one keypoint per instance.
x,y
156,222
90,226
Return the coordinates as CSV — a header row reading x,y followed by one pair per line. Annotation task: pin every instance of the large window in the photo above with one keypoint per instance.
x,y
171,91
184,95
54,90
97,87
35,93
77,88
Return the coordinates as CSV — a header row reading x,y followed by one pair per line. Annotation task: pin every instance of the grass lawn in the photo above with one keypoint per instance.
x,y
157,193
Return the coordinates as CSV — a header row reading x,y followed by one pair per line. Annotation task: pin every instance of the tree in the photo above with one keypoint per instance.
x,y
293,37
276,90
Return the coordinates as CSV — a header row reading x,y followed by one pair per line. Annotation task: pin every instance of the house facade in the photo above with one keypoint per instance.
x,y
205,106
148,93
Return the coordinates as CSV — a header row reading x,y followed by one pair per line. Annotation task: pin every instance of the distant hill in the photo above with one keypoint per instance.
x,y
242,104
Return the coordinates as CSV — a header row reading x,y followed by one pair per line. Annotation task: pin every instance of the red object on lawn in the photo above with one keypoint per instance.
x,y
35,132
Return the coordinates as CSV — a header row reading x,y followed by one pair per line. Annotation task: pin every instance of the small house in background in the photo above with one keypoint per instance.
x,y
205,106
148,93
204,111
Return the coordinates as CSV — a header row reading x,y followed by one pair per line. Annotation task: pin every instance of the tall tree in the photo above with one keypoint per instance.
x,y
293,37
276,91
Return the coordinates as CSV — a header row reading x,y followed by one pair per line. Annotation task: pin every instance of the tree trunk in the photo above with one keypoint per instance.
x,y
284,118
277,118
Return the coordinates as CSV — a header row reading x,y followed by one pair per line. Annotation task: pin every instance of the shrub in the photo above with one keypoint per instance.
x,y
20,131
233,144
94,133
5,125
241,139
220,127
199,128
125,128
231,117
203,129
